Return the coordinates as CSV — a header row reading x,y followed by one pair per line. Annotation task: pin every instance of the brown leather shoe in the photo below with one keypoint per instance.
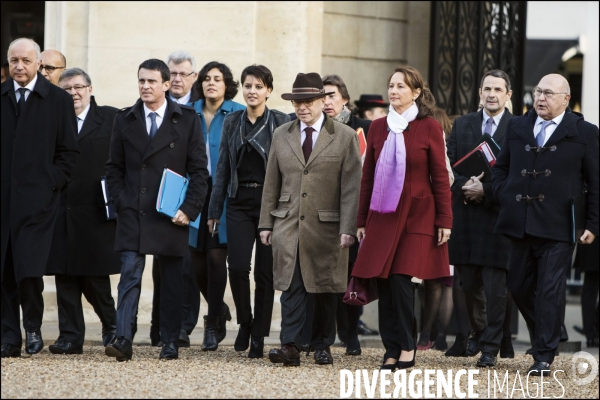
x,y
323,357
287,354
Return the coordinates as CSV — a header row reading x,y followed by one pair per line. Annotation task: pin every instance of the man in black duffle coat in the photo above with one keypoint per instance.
x,y
550,153
39,153
156,133
479,255
82,255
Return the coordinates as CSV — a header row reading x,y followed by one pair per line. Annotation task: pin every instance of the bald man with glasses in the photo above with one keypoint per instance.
x,y
53,64
550,160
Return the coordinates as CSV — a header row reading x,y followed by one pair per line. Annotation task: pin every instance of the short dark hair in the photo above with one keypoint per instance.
x,y
337,81
73,72
497,73
261,73
231,86
154,64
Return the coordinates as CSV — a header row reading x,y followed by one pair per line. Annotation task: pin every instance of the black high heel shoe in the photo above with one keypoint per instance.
x,y
391,367
407,364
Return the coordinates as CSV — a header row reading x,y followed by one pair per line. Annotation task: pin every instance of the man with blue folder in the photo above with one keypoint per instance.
x,y
154,134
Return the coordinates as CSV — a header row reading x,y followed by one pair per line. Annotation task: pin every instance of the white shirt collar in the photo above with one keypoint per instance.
x,y
557,120
84,113
317,125
496,119
29,86
160,112
182,100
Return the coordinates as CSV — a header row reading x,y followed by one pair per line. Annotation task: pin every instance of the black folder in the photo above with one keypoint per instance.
x,y
474,165
491,142
578,216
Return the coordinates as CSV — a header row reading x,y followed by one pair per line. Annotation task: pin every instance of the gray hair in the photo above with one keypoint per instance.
x,y
72,73
180,56
36,47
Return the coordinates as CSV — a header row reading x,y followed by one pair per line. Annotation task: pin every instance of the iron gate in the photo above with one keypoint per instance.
x,y
469,38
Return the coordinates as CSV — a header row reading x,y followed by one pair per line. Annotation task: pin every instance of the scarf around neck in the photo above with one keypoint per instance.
x,y
343,116
390,169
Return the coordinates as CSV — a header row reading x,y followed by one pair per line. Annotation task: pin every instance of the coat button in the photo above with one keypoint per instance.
x,y
305,172
172,145
304,194
143,167
69,207
143,190
142,213
302,218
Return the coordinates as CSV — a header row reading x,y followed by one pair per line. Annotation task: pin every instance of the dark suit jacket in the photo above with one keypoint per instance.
x,y
39,153
84,240
134,171
570,156
473,238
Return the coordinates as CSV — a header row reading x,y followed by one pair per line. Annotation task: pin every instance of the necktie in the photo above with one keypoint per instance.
x,y
488,126
153,126
307,145
541,136
21,102
77,119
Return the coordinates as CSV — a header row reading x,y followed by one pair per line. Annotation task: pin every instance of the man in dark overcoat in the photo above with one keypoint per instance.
x,y
82,255
182,65
549,154
154,134
479,255
39,153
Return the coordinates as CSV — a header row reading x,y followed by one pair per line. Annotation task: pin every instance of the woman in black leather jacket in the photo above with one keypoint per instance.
x,y
241,168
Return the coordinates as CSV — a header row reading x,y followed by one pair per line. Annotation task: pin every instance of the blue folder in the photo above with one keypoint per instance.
x,y
171,195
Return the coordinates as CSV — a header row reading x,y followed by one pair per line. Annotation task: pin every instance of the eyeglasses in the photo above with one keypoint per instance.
x,y
49,68
181,74
547,93
78,88
307,103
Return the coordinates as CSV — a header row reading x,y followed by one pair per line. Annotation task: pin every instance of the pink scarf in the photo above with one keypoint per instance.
x,y
391,165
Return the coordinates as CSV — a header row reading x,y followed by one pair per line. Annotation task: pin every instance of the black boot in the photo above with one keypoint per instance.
x,y
242,341
223,318
257,347
211,328
459,348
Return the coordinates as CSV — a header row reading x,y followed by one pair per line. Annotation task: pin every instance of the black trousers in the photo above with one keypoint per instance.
x,y
97,291
537,281
171,295
191,296
293,314
27,294
243,215
485,296
397,322
589,304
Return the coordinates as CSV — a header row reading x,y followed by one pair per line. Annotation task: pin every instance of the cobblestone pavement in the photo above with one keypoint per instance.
x,y
227,373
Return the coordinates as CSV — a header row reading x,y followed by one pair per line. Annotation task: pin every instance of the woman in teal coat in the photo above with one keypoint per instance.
x,y
208,254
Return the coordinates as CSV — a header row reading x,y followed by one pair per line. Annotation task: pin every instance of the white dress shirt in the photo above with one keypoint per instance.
x,y
182,100
317,127
160,114
81,118
549,129
496,119
29,88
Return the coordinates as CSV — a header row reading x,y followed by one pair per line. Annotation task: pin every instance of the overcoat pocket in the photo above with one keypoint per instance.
x,y
280,212
329,215
284,197
421,217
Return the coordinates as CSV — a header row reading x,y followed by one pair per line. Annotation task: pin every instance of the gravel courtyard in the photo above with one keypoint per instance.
x,y
229,374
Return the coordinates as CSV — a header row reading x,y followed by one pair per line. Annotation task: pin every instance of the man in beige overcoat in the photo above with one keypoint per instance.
x,y
308,214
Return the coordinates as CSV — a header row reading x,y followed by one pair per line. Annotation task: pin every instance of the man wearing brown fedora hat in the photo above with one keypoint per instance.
x,y
308,214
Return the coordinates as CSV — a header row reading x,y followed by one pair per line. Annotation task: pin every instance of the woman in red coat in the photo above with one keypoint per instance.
x,y
405,213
